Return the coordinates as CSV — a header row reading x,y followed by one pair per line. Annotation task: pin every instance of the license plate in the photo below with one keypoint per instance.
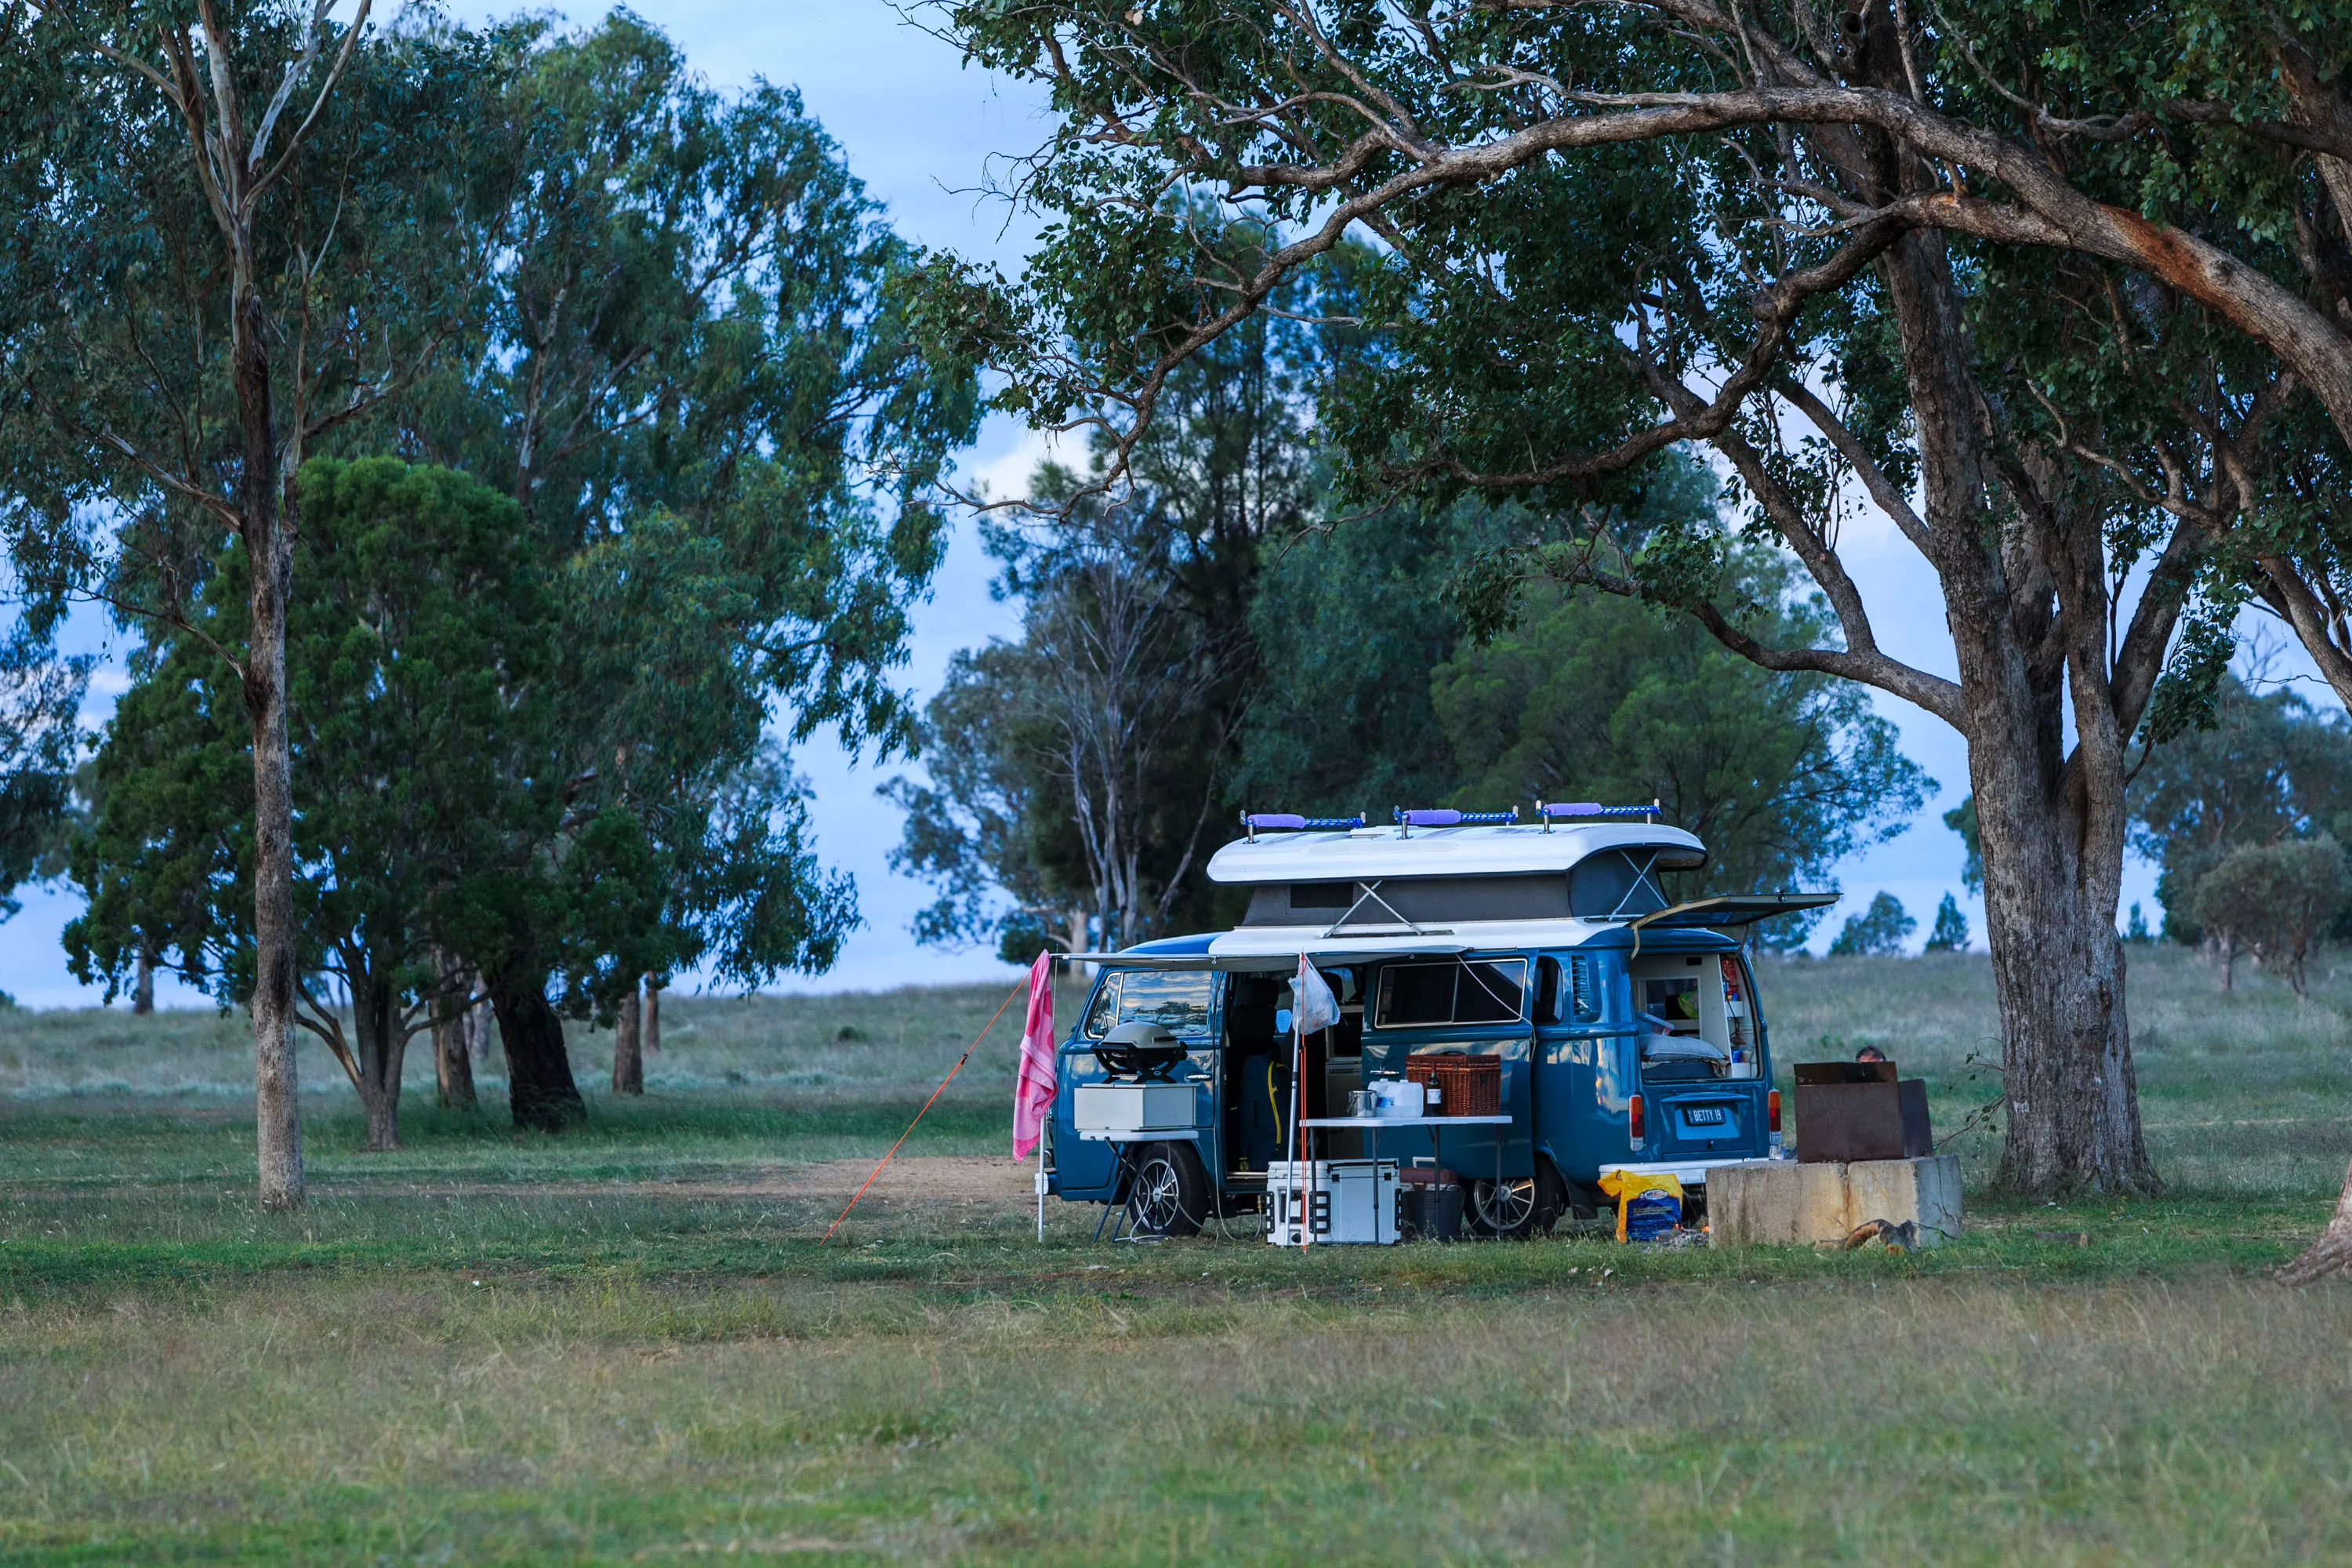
x,y
1704,1116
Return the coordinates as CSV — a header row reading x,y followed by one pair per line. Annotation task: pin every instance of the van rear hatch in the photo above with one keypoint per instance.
x,y
1711,1118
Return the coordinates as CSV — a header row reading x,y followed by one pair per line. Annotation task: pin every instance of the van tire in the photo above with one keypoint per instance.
x,y
1169,1194
1523,1209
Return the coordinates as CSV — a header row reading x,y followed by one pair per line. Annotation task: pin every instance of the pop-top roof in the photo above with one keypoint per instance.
x,y
1368,853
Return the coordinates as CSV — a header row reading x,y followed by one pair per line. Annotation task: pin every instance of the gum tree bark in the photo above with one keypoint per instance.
x,y
628,1056
654,984
2332,1253
453,1057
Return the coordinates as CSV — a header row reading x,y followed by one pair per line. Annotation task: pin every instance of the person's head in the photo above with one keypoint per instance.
x,y
1870,1054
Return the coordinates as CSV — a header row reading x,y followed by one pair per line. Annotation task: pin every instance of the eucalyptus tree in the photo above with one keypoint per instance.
x,y
696,363
1794,233
230,231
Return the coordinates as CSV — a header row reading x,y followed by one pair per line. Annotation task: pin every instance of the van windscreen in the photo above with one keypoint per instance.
x,y
1177,1002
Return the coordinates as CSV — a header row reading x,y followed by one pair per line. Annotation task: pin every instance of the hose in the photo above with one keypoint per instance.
x,y
1276,1104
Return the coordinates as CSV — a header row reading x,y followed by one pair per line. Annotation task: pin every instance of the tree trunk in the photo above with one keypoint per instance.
x,y
628,1059
478,1020
653,1015
540,1088
2028,608
2332,1253
269,534
381,1049
142,986
453,1061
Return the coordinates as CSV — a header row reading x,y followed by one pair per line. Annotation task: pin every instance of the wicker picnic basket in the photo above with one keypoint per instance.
x,y
1466,1085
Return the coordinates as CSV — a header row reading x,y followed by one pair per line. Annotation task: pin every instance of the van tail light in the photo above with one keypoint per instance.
x,y
1633,1128
1772,1112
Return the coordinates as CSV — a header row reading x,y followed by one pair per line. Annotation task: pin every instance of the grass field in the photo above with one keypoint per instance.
x,y
627,1344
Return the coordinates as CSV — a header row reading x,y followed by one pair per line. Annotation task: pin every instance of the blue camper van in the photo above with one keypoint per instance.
x,y
1628,1028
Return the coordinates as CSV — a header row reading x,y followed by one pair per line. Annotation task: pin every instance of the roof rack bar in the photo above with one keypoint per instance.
x,y
1412,817
1291,821
1550,810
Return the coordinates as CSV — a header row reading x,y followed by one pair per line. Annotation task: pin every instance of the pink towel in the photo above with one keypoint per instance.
x,y
1033,1090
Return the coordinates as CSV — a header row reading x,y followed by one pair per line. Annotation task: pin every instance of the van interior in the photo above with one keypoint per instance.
x,y
1257,1069
1693,1011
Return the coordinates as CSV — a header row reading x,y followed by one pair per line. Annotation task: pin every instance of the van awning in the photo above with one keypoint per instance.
x,y
1731,910
1266,962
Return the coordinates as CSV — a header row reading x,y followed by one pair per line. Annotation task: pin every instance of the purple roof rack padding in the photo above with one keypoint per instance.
x,y
1446,817
1291,821
1593,808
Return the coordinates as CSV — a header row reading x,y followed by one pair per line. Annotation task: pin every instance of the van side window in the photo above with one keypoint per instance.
x,y
1100,1016
1484,991
1583,990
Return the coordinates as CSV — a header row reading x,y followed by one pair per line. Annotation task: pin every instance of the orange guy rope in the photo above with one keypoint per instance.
x,y
843,1215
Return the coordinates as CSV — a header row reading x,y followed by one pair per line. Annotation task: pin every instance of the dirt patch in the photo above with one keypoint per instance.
x,y
965,1178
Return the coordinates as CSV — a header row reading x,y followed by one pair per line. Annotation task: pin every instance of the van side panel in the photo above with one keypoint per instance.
x,y
1582,1073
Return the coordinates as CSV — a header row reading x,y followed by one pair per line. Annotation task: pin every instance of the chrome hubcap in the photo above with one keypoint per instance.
x,y
1155,1203
1503,1206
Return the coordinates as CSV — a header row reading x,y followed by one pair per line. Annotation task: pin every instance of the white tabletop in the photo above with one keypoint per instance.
x,y
1439,1123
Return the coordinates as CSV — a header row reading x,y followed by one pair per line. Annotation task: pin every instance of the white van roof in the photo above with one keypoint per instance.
x,y
1368,853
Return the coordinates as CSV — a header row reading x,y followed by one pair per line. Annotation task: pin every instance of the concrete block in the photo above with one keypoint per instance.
x,y
1783,1201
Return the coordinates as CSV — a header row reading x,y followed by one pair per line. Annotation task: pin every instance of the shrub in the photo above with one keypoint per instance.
x,y
1880,929
2273,900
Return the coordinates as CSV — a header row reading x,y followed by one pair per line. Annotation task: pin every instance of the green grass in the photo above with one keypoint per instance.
x,y
627,1344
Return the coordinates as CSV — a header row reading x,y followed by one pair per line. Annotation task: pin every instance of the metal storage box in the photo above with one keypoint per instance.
x,y
1122,1110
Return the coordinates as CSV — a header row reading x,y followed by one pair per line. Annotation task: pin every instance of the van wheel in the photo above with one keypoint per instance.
x,y
1169,1194
1515,1209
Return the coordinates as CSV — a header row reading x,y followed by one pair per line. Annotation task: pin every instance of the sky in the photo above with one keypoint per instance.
x,y
926,133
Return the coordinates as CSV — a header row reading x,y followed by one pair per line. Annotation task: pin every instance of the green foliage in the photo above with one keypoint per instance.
x,y
1593,697
2274,900
115,305
2136,933
2268,767
1952,930
1138,608
701,313
422,633
1879,931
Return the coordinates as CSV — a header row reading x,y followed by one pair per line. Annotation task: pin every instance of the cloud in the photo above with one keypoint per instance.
x,y
1006,476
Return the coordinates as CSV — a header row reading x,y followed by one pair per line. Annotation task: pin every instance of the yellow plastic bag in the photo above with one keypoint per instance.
x,y
1626,1186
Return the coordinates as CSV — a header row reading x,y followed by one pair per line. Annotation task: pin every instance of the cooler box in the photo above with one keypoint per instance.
x,y
1332,1202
